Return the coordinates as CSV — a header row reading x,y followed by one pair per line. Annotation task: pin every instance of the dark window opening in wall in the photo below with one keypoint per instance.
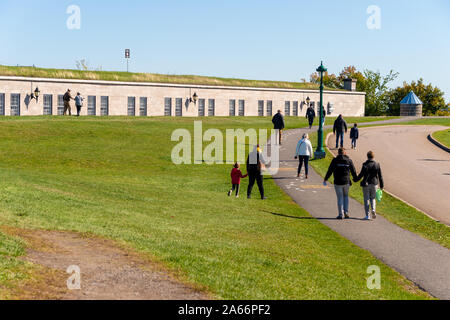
x,y
201,107
131,106
295,108
15,104
269,108
168,107
2,104
178,107
261,108
143,105
211,107
60,105
232,108
104,106
241,108
48,104
287,108
92,106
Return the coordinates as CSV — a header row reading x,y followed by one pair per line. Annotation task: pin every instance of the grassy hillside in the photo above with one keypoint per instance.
x,y
114,178
149,77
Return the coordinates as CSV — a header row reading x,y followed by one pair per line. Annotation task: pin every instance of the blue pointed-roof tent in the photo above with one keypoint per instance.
x,y
411,106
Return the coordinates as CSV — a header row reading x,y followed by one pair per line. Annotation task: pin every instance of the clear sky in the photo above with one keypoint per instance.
x,y
253,39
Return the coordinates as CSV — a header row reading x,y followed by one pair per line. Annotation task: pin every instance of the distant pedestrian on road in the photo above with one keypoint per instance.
x,y
339,129
236,176
310,115
278,124
354,135
79,103
304,152
341,167
255,167
66,98
371,177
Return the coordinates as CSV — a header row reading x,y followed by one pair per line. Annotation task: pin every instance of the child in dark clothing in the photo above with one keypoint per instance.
x,y
354,135
236,176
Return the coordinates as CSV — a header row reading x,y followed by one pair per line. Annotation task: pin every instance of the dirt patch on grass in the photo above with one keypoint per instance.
x,y
107,271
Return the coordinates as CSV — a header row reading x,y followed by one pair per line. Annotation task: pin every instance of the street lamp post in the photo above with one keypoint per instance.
x,y
320,152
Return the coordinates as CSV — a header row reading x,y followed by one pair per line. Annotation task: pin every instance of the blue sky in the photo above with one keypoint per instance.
x,y
269,40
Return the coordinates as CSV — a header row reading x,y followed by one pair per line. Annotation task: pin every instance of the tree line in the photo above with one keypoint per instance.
x,y
382,100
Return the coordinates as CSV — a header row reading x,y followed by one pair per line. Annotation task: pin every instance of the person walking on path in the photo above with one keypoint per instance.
x,y
66,98
339,129
310,115
236,175
79,103
255,165
304,152
371,177
354,135
341,167
279,125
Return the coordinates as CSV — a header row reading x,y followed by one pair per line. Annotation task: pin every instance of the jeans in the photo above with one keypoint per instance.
x,y
255,176
370,194
339,136
78,110
354,143
311,121
342,198
303,159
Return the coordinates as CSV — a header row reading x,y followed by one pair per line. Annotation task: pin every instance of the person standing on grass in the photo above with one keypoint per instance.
x,y
339,129
66,98
278,124
310,115
341,167
371,177
79,103
304,152
255,166
236,175
354,135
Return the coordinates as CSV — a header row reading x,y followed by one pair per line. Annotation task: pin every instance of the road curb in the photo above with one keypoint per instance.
x,y
437,143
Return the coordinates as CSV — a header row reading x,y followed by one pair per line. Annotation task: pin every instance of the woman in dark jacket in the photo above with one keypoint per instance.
x,y
371,177
341,167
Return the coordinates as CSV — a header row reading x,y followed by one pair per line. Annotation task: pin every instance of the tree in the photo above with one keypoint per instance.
x,y
377,92
329,80
432,97
82,65
350,72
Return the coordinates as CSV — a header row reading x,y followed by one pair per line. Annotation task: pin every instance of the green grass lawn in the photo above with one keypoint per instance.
x,y
113,177
150,77
391,208
443,137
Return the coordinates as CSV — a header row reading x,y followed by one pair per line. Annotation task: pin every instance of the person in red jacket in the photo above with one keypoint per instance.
x,y
236,175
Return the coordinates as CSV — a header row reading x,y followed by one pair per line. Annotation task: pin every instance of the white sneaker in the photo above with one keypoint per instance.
x,y
374,215
367,218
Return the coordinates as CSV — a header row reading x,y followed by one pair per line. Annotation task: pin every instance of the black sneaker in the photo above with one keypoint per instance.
x,y
339,218
264,198
346,216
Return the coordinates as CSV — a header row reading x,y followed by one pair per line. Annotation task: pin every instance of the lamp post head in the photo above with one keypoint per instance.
x,y
321,69
37,92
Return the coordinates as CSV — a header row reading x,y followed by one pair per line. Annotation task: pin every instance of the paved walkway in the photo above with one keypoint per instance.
x,y
422,261
414,169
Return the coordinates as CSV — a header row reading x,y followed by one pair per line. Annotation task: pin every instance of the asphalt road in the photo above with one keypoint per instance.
x,y
414,169
422,261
